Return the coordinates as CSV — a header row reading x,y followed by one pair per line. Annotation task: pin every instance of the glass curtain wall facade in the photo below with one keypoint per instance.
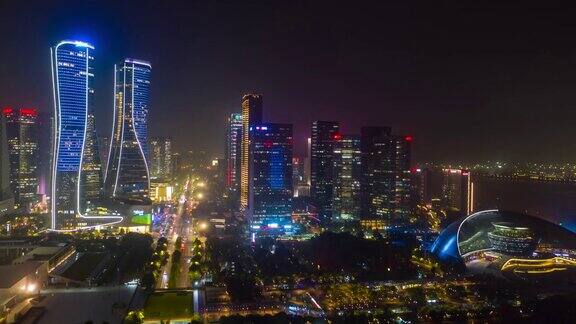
x,y
73,141
251,116
402,178
161,163
325,135
5,191
91,166
22,135
233,153
271,196
377,174
386,176
347,173
128,174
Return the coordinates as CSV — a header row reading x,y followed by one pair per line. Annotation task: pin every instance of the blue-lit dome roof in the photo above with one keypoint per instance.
x,y
479,231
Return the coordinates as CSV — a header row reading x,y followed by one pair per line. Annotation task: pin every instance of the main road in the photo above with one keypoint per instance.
x,y
181,227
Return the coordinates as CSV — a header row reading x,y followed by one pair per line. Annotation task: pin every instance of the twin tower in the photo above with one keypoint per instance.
x,y
79,188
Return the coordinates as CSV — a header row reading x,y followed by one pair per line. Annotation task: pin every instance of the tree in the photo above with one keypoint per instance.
x,y
148,280
176,255
162,243
134,317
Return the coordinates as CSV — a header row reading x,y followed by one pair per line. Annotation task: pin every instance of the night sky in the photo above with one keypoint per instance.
x,y
469,83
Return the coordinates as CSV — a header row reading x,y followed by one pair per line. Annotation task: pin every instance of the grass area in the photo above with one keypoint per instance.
x,y
168,305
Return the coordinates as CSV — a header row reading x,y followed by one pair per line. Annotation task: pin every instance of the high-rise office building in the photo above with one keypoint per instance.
x,y
155,157
45,144
301,188
176,163
128,174
161,164
402,177
386,177
377,185
446,188
91,166
307,162
271,186
233,154
22,136
168,164
457,191
6,198
347,174
325,135
251,116
104,150
72,86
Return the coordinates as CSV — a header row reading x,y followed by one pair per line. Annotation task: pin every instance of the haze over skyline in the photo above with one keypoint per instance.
x,y
482,83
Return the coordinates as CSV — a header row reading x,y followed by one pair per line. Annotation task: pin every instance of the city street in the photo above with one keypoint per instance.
x,y
181,227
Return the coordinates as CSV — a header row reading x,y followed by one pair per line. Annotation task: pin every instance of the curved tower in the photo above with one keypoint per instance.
x,y
127,174
72,156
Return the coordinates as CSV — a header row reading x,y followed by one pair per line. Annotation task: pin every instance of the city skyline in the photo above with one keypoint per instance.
x,y
472,83
286,162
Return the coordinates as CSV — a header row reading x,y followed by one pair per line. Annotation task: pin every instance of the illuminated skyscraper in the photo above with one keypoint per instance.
x,y
377,174
22,135
325,135
21,130
72,84
307,162
271,186
251,116
161,164
457,191
176,163
233,154
402,152
447,188
347,174
168,164
6,199
91,166
128,175
301,188
155,157
103,149
386,176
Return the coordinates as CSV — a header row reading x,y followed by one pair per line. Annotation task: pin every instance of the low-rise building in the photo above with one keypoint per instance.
x,y
19,283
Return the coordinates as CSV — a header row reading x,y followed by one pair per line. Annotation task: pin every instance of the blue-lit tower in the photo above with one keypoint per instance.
x,y
72,77
270,203
128,173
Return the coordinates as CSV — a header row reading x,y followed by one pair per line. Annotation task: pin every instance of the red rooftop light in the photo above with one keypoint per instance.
x,y
408,138
7,110
29,112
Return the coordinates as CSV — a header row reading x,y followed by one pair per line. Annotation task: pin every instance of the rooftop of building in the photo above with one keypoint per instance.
x,y
41,253
11,274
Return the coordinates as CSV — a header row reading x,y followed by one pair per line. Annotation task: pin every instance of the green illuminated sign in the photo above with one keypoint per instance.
x,y
144,219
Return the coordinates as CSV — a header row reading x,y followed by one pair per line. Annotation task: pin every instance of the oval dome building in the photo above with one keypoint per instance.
x,y
504,243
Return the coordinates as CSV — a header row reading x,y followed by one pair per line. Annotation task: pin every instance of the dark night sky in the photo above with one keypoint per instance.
x,y
470,83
